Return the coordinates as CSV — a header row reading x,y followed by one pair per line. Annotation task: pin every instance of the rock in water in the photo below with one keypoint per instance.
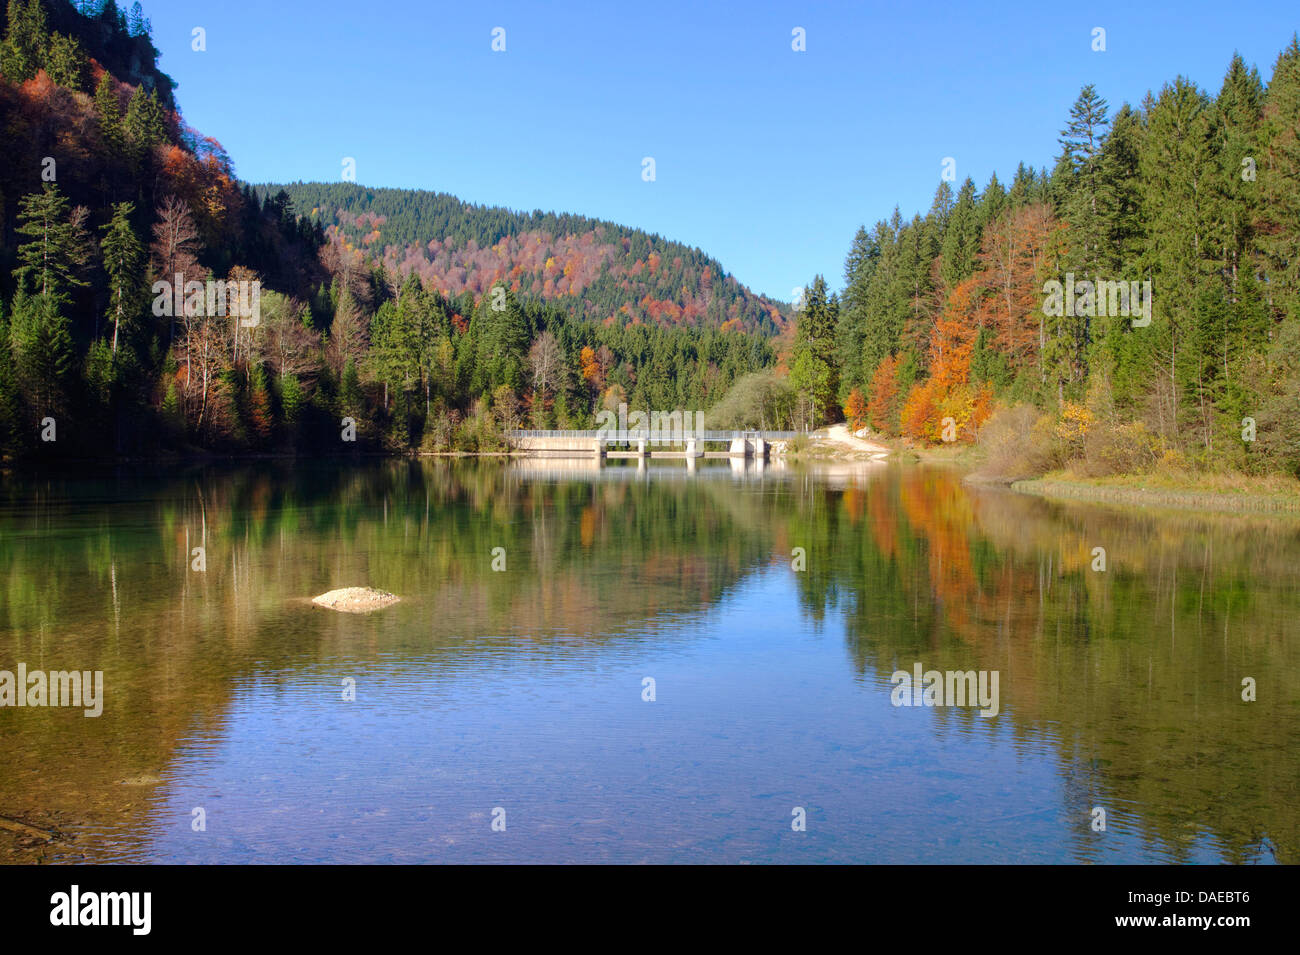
x,y
356,599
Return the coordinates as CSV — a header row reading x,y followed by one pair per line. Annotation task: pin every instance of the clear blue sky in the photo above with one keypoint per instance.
x,y
766,158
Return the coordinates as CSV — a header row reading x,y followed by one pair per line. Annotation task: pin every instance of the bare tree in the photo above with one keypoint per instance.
x,y
348,266
238,329
547,364
81,247
347,334
290,345
206,358
505,405
176,246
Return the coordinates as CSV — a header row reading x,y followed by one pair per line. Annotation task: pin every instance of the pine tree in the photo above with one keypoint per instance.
x,y
859,267
123,263
43,352
136,23
1237,115
502,343
66,62
1118,210
1081,142
137,128
22,53
11,433
155,120
1278,177
886,301
54,254
1120,239
1023,186
1177,167
961,243
813,371
109,113
993,201
915,297
143,126
940,211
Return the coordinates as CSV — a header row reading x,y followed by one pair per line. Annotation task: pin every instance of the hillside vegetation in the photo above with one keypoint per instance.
x,y
592,269
1002,311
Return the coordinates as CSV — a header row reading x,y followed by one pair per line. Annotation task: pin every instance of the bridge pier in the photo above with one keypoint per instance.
x,y
641,444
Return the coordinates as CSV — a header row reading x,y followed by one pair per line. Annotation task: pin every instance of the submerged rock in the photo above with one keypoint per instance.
x,y
356,599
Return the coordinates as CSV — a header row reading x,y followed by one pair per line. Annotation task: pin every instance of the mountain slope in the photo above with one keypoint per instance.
x,y
593,269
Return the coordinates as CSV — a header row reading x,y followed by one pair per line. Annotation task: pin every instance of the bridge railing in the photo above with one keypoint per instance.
x,y
636,434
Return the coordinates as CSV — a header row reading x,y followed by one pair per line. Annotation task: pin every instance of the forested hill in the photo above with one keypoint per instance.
x,y
593,269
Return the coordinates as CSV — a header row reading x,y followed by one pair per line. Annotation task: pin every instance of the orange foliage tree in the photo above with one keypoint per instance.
x,y
1015,247
855,410
883,407
587,359
946,406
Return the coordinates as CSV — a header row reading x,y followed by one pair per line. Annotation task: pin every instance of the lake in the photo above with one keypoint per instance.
x,y
613,664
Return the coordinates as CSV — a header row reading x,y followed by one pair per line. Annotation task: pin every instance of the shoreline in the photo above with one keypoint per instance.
x,y
1182,499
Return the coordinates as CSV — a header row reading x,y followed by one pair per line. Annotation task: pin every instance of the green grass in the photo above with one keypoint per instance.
x,y
1174,488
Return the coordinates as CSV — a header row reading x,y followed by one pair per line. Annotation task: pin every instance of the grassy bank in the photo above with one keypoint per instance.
x,y
1206,492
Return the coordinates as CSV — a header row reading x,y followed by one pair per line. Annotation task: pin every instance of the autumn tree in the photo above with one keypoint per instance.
x,y
855,410
884,406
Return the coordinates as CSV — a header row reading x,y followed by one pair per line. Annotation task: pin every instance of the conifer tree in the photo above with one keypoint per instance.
x,y
43,352
22,53
1278,178
109,113
55,251
1081,146
961,243
123,263
859,267
813,372
992,201
66,62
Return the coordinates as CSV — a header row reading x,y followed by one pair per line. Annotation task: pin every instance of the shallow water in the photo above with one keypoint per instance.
x,y
516,695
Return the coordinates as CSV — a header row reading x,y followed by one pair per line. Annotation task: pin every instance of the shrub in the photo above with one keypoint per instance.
x,y
1110,448
1019,442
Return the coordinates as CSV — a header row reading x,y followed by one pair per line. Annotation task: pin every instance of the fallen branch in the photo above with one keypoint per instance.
x,y
13,825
